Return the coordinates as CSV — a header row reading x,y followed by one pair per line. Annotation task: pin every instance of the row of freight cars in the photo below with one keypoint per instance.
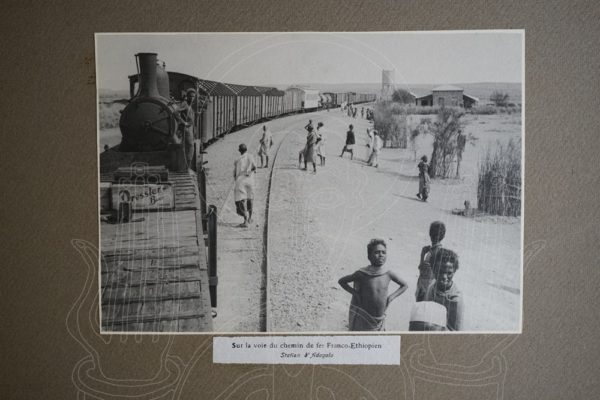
x,y
223,107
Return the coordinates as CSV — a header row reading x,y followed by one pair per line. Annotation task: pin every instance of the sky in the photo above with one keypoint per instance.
x,y
318,57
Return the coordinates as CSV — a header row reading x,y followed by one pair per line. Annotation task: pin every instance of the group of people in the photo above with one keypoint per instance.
x,y
375,144
352,111
313,148
438,305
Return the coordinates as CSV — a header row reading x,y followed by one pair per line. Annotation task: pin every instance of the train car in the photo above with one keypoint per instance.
x,y
301,99
248,104
329,100
351,97
219,111
322,101
272,101
156,272
292,100
310,100
340,98
364,98
332,99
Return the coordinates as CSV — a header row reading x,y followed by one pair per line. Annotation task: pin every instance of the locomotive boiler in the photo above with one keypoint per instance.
x,y
150,120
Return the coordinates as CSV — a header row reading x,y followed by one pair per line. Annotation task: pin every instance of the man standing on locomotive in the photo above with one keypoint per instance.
x,y
189,117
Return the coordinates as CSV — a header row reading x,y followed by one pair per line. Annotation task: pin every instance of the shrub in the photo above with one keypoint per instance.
x,y
403,96
499,98
448,142
390,122
109,115
483,110
499,183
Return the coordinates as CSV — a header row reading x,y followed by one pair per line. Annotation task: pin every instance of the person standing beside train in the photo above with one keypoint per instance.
x,y
266,142
243,191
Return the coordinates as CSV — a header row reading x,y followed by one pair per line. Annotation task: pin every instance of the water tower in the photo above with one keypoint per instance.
x,y
387,84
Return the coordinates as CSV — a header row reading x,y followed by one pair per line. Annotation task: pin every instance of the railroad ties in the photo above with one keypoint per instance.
x,y
154,275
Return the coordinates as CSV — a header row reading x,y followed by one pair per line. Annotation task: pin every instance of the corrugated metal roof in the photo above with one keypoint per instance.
x,y
275,92
237,89
303,89
249,91
446,88
182,76
422,97
471,97
263,89
216,88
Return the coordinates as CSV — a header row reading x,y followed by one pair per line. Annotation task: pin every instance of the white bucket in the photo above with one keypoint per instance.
x,y
428,315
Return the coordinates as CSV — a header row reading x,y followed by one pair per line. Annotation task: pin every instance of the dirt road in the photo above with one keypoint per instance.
x,y
320,225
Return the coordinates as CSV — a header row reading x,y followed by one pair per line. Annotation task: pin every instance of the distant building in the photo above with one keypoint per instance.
x,y
447,96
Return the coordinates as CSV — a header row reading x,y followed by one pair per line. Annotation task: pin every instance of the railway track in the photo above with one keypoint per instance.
x,y
243,253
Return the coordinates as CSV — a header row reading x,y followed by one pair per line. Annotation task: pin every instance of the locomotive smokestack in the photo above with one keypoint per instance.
x,y
148,85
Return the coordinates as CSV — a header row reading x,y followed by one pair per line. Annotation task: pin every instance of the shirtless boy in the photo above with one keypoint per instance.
x,y
369,292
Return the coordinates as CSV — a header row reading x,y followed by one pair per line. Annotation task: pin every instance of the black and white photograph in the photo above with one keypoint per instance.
x,y
311,182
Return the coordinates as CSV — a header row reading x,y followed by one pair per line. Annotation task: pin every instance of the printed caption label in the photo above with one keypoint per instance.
x,y
354,350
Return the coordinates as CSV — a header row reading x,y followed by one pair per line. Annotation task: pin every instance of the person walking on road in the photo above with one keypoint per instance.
x,y
370,144
309,149
350,141
320,144
423,179
266,142
377,146
243,193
